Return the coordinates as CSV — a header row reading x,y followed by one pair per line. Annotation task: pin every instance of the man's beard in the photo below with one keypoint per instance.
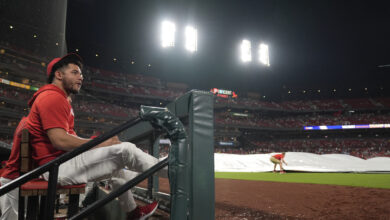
x,y
68,86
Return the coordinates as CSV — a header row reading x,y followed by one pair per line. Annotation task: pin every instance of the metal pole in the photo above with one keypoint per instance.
x,y
156,154
150,179
51,193
121,190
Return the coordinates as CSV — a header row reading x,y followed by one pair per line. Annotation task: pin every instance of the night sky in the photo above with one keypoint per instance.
x,y
313,44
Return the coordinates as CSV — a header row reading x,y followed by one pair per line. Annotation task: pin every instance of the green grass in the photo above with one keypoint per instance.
x,y
344,179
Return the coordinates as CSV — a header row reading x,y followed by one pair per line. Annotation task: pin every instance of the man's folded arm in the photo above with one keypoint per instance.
x,y
62,140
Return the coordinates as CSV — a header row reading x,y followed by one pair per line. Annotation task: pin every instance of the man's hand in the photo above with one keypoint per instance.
x,y
114,140
61,140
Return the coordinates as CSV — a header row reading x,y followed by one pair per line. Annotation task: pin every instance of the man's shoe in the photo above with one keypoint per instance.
x,y
143,212
281,172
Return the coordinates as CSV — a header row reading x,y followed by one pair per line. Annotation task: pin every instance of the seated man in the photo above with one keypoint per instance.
x,y
51,127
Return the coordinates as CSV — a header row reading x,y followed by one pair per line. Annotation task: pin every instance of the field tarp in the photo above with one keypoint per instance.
x,y
299,161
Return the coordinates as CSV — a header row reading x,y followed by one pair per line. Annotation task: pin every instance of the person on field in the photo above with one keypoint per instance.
x,y
278,159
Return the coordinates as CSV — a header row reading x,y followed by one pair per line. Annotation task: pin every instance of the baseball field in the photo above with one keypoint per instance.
x,y
343,179
302,196
252,196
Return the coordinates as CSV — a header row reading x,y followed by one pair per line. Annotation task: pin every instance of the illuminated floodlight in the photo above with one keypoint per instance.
x,y
264,54
191,39
246,54
168,30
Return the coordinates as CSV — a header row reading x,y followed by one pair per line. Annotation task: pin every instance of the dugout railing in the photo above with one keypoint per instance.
x,y
190,160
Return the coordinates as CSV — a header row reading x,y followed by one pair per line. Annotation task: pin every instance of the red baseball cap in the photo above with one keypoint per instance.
x,y
58,59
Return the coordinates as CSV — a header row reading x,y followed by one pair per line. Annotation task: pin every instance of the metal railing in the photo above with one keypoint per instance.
x,y
53,166
125,187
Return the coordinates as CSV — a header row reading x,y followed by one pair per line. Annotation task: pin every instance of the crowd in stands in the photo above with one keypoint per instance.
x,y
253,103
363,148
135,90
6,140
79,106
309,105
17,94
142,85
383,101
104,109
253,120
27,64
20,67
122,77
133,84
225,118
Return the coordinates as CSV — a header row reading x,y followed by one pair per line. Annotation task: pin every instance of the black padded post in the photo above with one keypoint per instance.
x,y
73,206
33,206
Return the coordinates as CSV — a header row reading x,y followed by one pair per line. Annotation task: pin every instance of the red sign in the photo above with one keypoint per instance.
x,y
223,93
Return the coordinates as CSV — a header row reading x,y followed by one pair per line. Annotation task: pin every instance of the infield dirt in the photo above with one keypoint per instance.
x,y
250,200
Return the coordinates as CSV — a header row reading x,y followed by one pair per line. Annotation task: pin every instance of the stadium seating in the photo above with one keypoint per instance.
x,y
22,65
364,148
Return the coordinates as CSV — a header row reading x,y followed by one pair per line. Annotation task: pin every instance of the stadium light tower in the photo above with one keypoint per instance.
x,y
168,30
246,54
264,54
191,35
